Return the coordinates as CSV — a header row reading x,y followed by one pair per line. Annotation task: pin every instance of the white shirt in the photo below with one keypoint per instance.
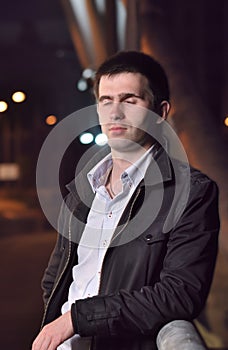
x,y
102,220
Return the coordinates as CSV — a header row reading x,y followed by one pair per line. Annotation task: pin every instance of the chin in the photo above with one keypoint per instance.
x,y
123,145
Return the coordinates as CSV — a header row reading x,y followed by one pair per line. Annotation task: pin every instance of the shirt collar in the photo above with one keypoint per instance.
x,y
134,173
99,174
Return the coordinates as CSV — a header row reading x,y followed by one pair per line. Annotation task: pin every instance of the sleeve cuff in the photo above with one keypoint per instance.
x,y
74,319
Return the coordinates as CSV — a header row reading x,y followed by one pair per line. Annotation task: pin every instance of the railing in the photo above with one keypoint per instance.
x,y
180,335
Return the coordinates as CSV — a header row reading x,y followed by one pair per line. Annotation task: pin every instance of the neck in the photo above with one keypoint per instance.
x,y
119,166
122,160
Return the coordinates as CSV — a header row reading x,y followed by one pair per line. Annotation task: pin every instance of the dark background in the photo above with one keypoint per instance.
x,y
38,56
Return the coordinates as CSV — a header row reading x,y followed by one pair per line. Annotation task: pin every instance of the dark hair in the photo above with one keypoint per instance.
x,y
136,62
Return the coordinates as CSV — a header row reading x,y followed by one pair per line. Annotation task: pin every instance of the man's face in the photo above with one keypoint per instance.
x,y
122,108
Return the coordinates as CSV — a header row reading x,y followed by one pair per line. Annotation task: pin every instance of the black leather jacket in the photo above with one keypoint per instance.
x,y
156,276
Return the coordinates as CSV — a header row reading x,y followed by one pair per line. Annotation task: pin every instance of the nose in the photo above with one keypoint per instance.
x,y
116,111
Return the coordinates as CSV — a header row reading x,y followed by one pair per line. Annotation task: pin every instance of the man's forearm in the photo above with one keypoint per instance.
x,y
54,333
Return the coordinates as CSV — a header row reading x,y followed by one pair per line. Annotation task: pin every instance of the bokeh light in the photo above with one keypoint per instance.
x,y
82,85
51,120
86,138
3,106
226,121
18,96
88,73
101,139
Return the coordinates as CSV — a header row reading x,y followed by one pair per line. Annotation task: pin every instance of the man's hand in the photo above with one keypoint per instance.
x,y
54,333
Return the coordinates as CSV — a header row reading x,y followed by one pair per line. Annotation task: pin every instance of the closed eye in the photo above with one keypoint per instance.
x,y
105,100
130,100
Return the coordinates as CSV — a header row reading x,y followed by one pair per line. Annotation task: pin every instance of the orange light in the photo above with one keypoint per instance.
x,y
51,120
226,121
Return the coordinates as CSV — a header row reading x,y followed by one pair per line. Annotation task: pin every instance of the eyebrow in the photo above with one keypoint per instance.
x,y
122,96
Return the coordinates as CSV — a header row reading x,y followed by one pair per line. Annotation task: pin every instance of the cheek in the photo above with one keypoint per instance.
x,y
101,117
104,128
140,123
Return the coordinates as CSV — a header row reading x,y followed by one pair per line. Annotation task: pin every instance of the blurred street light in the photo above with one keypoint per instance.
x,y
18,97
3,106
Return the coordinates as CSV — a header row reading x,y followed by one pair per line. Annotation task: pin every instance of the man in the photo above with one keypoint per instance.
x,y
131,255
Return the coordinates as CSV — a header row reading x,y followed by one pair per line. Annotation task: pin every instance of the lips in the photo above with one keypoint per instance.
x,y
117,128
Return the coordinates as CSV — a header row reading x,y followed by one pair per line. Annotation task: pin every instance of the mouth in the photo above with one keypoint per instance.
x,y
117,128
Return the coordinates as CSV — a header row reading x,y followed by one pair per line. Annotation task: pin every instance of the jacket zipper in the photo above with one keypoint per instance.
x,y
60,276
114,236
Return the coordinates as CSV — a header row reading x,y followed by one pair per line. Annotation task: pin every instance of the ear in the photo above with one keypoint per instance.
x,y
164,110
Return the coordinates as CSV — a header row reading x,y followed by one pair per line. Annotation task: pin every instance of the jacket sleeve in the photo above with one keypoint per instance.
x,y
51,272
184,283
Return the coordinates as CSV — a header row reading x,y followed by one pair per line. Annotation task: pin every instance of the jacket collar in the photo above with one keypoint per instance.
x,y
159,171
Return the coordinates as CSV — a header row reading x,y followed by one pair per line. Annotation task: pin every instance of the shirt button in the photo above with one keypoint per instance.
x,y
148,237
110,214
104,243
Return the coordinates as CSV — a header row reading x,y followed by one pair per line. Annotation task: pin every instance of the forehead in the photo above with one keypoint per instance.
x,y
126,82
